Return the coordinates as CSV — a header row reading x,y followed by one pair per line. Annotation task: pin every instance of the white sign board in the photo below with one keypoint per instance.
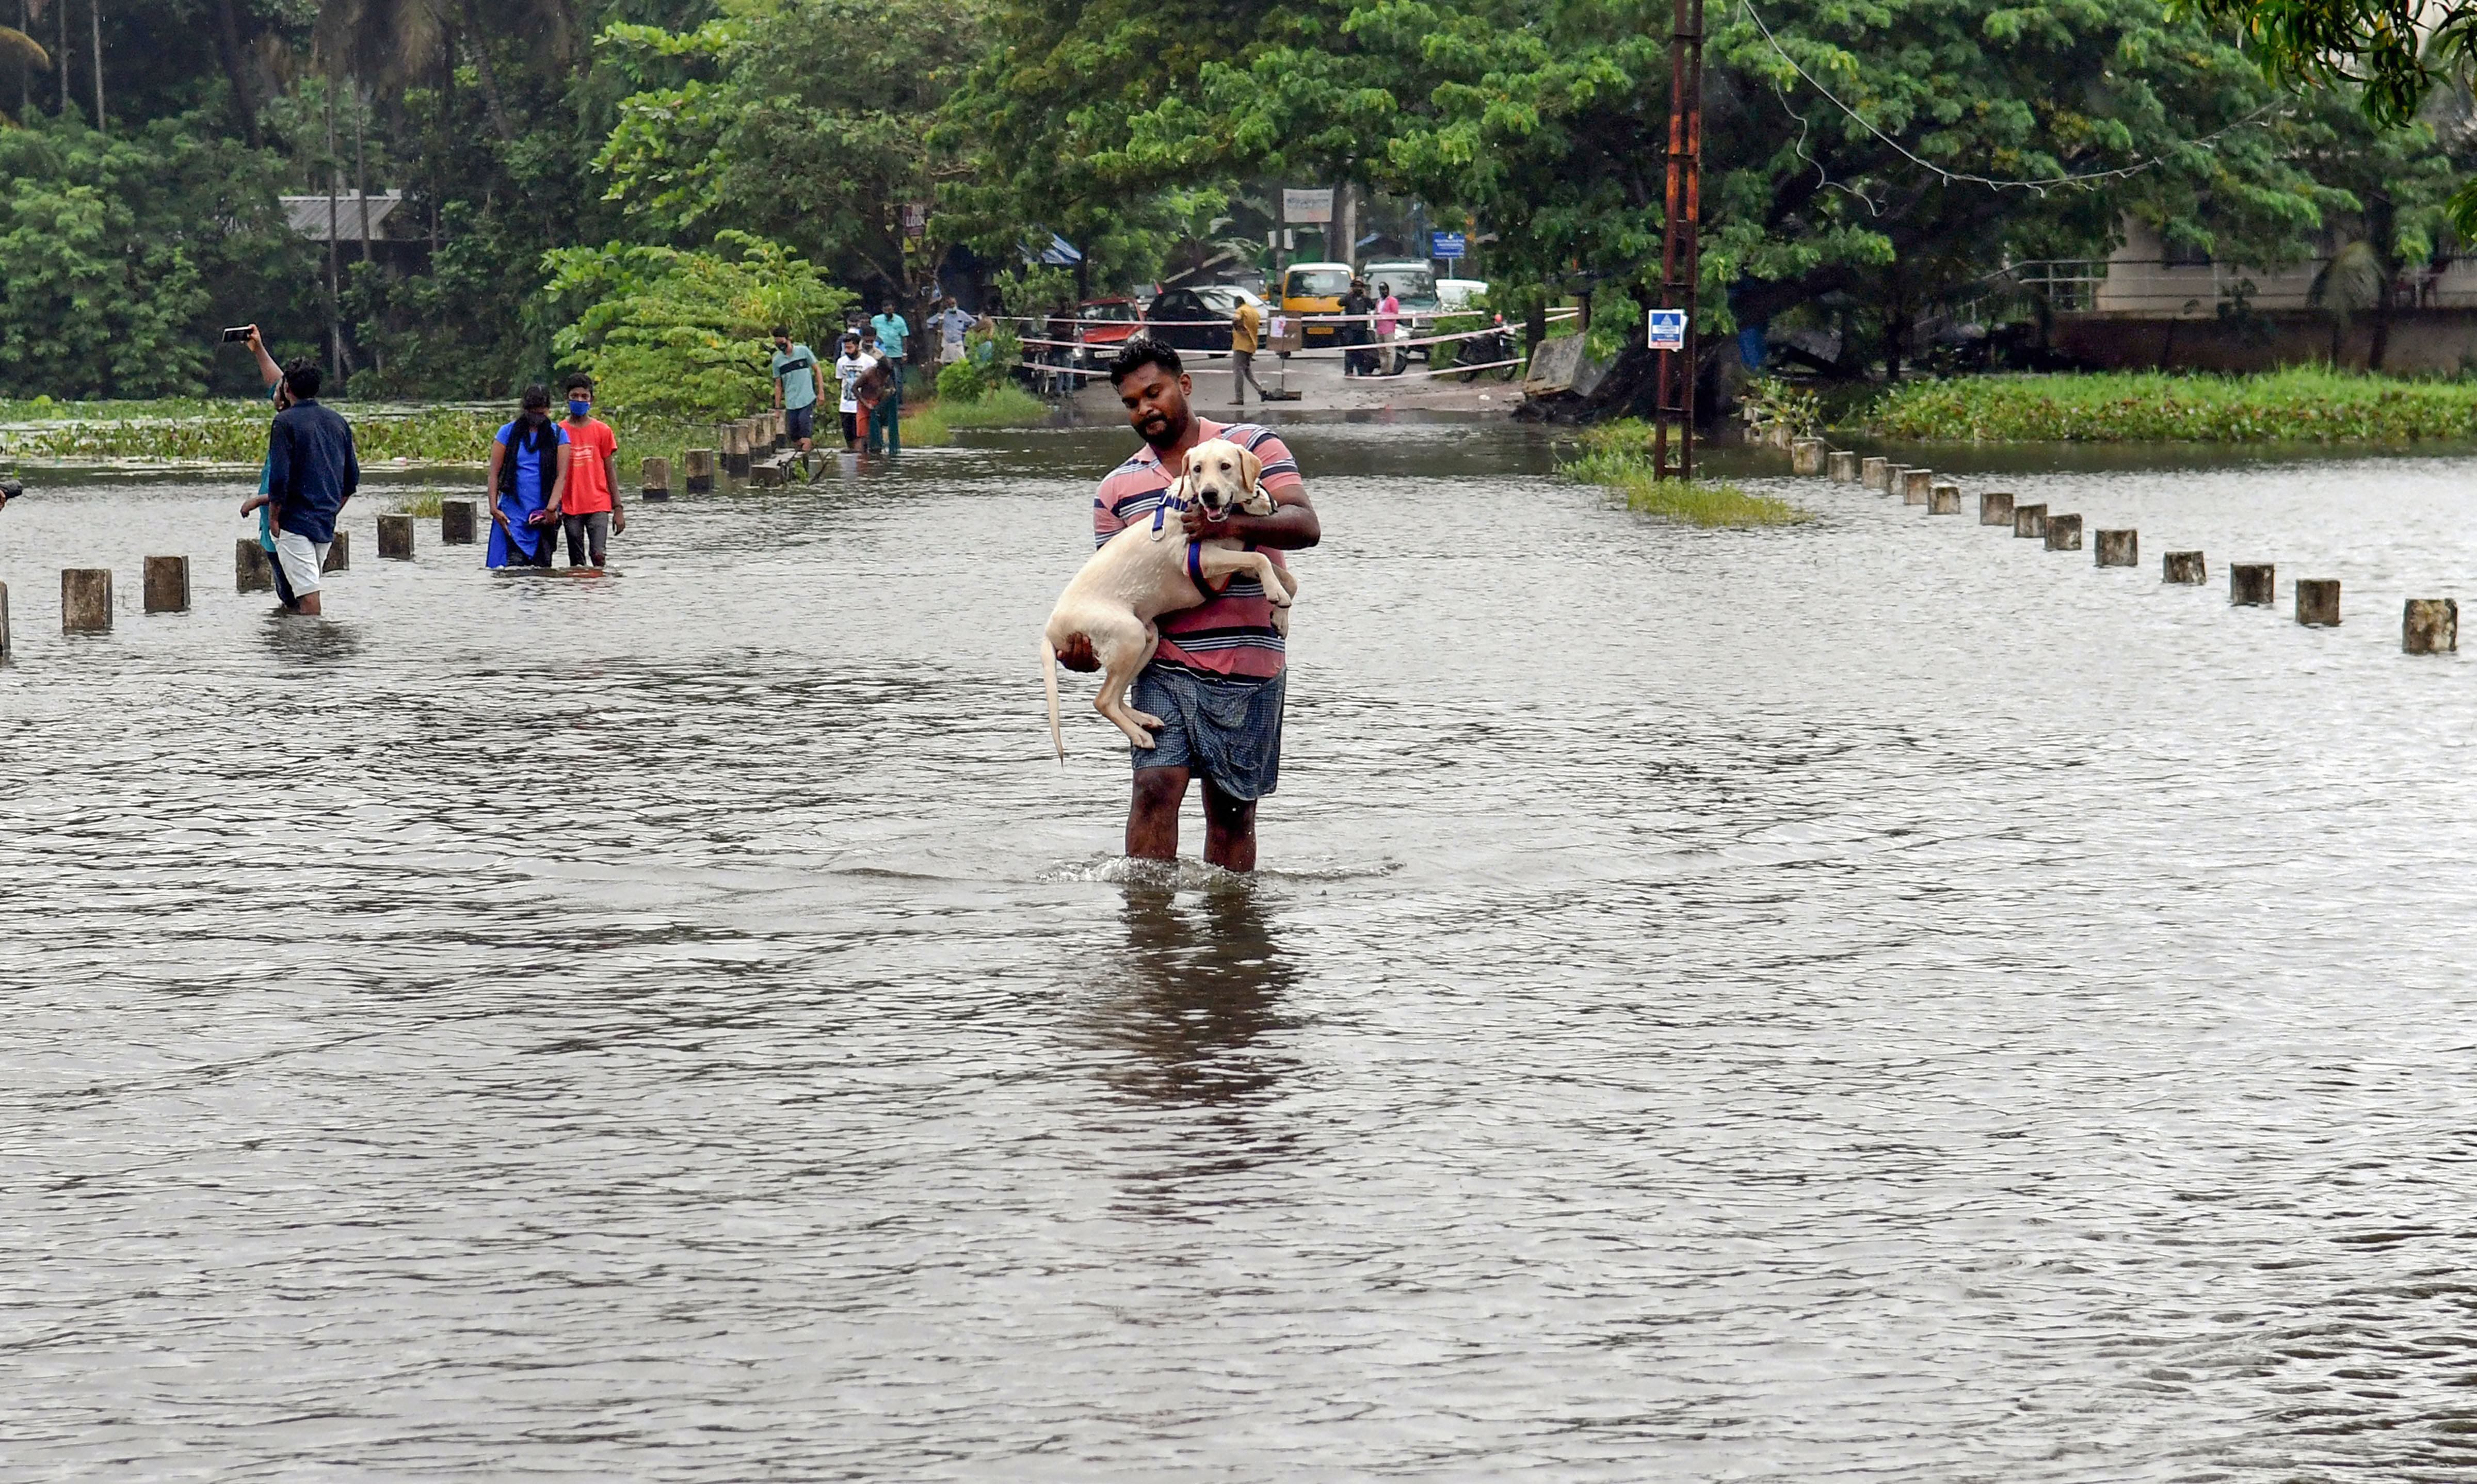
x,y
1307,207
1667,330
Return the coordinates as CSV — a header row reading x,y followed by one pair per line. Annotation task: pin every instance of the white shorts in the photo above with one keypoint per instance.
x,y
302,558
952,353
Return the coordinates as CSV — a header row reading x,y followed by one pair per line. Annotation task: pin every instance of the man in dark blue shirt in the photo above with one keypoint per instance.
x,y
311,472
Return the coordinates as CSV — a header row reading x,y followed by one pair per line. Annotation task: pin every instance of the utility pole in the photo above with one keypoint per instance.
x,y
1682,253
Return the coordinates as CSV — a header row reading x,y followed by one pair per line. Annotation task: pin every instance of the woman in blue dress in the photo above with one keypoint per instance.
x,y
527,478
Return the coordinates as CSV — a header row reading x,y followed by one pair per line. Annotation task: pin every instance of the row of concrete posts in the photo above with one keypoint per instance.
x,y
2427,626
751,448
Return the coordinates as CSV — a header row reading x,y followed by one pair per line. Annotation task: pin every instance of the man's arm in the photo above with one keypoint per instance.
x,y
279,469
1291,527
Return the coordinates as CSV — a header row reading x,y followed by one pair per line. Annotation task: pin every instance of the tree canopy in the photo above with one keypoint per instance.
x,y
1867,163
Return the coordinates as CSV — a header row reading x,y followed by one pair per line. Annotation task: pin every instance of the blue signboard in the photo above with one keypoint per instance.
x,y
1667,329
1445,245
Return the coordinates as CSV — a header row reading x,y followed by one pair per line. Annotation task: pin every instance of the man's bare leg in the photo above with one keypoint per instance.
x,y
308,606
1151,814
1229,830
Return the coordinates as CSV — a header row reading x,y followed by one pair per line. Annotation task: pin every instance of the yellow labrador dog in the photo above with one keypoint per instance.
x,y
1150,570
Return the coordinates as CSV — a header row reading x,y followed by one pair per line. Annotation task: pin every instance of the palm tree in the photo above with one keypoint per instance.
x,y
29,56
395,43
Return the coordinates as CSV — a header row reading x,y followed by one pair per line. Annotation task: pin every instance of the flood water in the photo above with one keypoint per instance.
x,y
1873,1000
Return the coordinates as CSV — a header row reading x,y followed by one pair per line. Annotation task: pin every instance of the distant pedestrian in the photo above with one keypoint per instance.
x,y
1355,306
893,333
1246,326
1388,315
587,495
848,368
524,480
796,388
952,324
311,470
881,402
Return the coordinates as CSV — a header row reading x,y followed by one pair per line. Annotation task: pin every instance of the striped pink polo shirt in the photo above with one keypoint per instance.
x,y
1233,633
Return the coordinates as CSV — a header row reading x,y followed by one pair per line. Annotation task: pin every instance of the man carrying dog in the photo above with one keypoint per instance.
x,y
1219,679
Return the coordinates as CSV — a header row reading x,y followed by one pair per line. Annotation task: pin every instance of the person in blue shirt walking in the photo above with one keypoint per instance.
x,y
310,472
892,329
527,481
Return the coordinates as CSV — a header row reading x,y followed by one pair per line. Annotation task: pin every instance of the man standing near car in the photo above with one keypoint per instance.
x,y
310,472
1219,677
1245,327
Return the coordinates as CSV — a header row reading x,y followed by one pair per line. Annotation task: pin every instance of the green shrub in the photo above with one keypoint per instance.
x,y
683,333
1617,459
962,381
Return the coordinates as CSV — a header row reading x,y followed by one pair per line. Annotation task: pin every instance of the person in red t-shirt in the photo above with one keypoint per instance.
x,y
588,478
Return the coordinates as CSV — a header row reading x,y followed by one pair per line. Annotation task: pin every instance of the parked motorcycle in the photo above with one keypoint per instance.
x,y
1482,352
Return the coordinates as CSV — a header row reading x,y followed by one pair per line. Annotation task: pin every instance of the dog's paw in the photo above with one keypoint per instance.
x,y
1145,741
1148,720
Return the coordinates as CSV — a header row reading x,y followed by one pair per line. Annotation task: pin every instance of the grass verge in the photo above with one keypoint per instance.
x,y
2300,405
934,424
1614,458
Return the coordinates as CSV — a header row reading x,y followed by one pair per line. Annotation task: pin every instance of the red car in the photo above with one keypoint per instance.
x,y
1102,326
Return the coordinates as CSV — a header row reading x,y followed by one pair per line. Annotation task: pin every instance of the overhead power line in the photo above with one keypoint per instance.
x,y
2042,185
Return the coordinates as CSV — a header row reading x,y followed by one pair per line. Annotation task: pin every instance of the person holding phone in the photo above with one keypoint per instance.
x,y
272,375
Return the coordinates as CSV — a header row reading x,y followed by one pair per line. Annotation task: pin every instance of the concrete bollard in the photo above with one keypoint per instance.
x,y
167,585
457,521
1995,508
4,620
735,456
86,600
1944,499
655,482
699,471
253,570
1876,475
396,538
2430,625
1915,485
782,429
2119,548
1777,435
1844,468
339,555
2251,584
1806,456
2317,602
2184,566
2029,521
2063,533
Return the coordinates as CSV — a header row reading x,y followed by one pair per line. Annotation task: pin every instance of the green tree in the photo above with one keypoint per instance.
x,y
2397,59
806,122
1547,122
683,333
125,252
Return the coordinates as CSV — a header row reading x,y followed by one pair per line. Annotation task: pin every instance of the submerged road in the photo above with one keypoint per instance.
x,y
1868,1000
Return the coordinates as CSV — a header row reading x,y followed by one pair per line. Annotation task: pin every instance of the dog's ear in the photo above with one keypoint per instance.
x,y
1254,499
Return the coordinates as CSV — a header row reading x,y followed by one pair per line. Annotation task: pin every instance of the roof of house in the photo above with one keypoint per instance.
x,y
308,214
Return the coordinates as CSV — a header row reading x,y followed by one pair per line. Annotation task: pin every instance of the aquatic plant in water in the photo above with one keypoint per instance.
x,y
2299,405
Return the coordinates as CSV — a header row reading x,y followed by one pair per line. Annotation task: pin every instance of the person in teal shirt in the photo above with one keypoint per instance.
x,y
891,328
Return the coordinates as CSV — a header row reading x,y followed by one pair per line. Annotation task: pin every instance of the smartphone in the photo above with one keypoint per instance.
x,y
238,333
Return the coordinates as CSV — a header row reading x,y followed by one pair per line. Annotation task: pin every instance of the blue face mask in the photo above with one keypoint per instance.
x,y
577,408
